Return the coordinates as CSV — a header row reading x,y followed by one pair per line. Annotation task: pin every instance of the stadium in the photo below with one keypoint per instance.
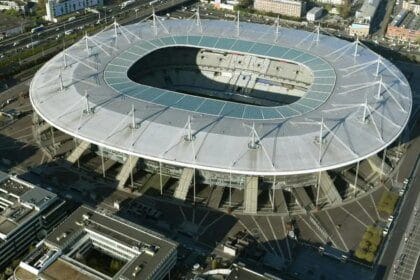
x,y
269,118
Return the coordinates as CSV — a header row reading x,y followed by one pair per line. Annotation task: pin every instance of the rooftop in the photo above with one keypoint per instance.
x,y
143,249
20,201
243,273
8,22
368,10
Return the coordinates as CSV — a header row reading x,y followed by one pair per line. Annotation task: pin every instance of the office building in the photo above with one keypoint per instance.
x,y
93,245
288,8
314,14
57,8
361,26
27,214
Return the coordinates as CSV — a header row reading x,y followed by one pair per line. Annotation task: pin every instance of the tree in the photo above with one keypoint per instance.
x,y
115,265
345,9
244,4
41,10
328,7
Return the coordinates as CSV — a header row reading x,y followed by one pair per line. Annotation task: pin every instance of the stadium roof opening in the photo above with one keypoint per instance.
x,y
223,75
322,86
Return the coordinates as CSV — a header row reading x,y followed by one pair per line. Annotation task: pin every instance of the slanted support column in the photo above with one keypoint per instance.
x,y
356,44
160,178
274,194
103,163
237,25
130,159
60,76
356,177
317,33
318,187
52,136
154,22
194,194
383,164
251,195
230,189
276,37
377,66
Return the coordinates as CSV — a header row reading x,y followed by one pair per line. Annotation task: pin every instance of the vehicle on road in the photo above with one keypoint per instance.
x,y
33,44
37,29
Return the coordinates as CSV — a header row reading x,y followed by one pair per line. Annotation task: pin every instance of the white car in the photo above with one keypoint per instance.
x,y
402,191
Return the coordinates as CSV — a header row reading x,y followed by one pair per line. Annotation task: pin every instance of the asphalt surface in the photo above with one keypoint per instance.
x,y
122,15
400,226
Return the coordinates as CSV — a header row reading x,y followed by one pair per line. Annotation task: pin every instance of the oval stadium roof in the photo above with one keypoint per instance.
x,y
357,105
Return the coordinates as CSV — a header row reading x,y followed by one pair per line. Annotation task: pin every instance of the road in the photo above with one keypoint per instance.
x,y
389,254
141,10
384,12
408,254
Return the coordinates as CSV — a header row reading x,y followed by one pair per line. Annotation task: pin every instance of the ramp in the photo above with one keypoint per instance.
x,y
251,195
185,180
126,170
78,152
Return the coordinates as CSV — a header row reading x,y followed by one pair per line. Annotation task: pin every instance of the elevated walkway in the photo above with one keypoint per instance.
x,y
328,188
184,184
78,152
126,170
251,195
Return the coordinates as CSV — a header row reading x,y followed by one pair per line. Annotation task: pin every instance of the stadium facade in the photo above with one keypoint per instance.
x,y
231,104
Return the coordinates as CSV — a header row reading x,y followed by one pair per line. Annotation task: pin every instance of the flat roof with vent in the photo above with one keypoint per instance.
x,y
142,251
20,202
